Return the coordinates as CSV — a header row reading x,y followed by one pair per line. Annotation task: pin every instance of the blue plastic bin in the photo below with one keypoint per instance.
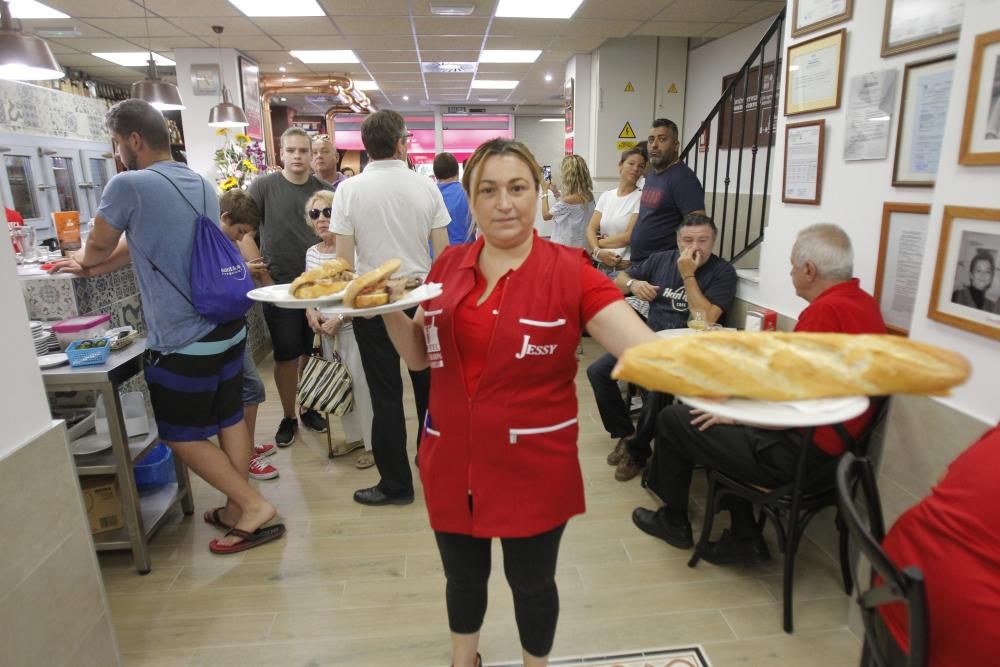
x,y
156,468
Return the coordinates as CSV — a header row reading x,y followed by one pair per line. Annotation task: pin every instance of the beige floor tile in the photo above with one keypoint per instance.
x,y
138,634
766,620
158,658
834,648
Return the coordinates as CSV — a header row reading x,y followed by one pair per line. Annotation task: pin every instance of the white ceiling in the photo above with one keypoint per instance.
x,y
391,38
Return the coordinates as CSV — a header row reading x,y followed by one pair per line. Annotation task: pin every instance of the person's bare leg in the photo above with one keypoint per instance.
x,y
286,378
464,649
534,661
250,419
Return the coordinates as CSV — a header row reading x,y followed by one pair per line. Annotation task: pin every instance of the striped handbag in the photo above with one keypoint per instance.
x,y
325,385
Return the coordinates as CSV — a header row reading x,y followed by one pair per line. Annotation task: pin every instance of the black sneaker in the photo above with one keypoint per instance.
x,y
313,421
730,550
286,432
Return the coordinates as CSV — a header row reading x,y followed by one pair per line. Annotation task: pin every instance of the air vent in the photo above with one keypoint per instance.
x,y
448,68
58,33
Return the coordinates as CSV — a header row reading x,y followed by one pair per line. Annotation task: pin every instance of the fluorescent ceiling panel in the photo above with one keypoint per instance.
x,y
285,8
29,9
334,56
533,9
509,56
495,84
134,58
365,85
551,120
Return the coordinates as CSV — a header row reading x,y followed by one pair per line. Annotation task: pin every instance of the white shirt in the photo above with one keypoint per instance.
x,y
390,211
616,212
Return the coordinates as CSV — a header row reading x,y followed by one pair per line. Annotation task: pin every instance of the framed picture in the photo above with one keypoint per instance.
x,y
802,181
812,15
966,290
926,91
813,73
568,100
900,258
250,91
981,128
914,24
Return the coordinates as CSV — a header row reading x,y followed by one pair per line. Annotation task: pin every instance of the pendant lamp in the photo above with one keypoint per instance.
x,y
225,114
24,57
162,95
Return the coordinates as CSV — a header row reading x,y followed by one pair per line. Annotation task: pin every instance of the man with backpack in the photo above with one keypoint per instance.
x,y
192,363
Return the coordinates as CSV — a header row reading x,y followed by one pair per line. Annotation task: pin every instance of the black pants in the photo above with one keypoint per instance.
x,y
615,412
530,566
381,364
758,456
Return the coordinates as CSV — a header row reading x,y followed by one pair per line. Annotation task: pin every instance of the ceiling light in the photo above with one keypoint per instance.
x,y
225,113
58,33
495,84
452,10
509,56
24,57
282,69
29,9
533,9
548,77
406,98
283,99
551,120
365,85
160,94
135,58
315,57
285,8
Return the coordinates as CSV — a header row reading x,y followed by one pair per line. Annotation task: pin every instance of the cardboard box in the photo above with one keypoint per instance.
x,y
104,508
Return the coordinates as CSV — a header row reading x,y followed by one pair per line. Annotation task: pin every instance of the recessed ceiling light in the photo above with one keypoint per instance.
x,y
548,77
282,69
335,56
533,9
264,8
509,56
495,84
551,120
135,58
365,85
29,9
406,98
452,10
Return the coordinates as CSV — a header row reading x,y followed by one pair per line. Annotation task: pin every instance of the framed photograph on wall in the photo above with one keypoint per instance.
x,y
802,181
922,113
813,74
900,260
966,291
914,24
812,15
250,90
981,127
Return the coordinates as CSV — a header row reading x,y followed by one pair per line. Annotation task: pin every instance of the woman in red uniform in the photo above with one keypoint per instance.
x,y
498,456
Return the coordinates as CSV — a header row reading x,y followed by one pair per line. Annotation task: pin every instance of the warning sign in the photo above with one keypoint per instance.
x,y
672,88
625,145
629,88
627,132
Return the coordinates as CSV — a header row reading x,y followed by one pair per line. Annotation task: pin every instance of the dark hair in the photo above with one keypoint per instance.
x,y
142,118
697,220
491,148
380,132
344,170
241,207
445,166
630,152
669,124
983,257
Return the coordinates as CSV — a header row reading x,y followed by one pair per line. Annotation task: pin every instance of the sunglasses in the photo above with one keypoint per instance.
x,y
315,213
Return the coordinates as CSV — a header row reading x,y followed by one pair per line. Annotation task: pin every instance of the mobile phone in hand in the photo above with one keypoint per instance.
x,y
547,172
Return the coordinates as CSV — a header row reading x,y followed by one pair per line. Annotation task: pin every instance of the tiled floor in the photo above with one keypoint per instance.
x,y
359,586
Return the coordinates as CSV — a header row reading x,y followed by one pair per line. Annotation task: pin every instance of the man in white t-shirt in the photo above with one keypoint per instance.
x,y
385,212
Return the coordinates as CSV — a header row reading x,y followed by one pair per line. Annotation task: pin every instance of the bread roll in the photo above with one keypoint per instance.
x,y
326,279
370,283
791,366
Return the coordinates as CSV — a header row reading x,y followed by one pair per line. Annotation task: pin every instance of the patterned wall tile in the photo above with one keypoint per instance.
x,y
37,111
49,298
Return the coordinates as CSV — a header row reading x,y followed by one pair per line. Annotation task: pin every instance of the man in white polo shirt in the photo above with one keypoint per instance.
x,y
388,211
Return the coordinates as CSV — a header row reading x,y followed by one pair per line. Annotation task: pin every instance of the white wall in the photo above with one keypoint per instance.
x,y
854,192
546,140
671,70
579,68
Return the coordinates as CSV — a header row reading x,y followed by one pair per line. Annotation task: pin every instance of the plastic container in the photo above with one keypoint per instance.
x,y
90,356
78,328
134,411
156,468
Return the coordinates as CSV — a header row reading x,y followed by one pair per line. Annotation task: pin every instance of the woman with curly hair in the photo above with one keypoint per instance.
x,y
575,207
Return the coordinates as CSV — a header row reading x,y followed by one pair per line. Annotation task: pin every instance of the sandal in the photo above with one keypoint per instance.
x,y
364,460
213,517
262,535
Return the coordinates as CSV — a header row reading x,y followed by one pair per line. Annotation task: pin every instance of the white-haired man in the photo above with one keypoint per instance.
x,y
822,268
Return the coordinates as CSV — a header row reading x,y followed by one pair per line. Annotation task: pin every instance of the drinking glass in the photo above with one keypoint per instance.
x,y
696,320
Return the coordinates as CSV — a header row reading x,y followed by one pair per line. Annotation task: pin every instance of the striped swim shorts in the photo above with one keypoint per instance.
x,y
198,390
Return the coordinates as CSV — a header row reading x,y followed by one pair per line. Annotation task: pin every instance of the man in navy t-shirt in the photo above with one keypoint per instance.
x,y
446,173
674,282
669,193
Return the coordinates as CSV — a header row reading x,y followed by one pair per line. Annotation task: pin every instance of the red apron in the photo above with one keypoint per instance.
x,y
503,462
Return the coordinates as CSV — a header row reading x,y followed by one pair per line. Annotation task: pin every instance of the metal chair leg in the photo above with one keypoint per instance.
x,y
845,564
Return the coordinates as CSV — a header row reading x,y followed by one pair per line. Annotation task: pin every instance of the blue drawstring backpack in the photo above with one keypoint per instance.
x,y
220,279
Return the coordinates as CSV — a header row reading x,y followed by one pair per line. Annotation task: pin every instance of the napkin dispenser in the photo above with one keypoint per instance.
x,y
761,319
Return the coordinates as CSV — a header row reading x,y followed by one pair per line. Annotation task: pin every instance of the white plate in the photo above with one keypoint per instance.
x,y
89,444
52,360
415,298
279,296
787,414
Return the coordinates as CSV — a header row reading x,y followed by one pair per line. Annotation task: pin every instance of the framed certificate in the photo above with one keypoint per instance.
x,y
900,258
802,180
812,15
914,24
926,90
981,127
813,73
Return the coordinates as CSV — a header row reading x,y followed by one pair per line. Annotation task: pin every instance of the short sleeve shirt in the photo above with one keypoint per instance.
x,y
284,234
666,198
669,310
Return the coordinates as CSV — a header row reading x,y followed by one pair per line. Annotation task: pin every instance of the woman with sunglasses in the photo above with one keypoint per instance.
x,y
357,423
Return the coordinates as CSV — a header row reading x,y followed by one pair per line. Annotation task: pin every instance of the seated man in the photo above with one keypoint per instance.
x,y
822,266
674,282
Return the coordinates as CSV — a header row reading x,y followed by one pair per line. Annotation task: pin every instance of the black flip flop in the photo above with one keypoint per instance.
x,y
262,535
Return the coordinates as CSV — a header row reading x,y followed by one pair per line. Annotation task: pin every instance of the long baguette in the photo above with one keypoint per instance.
x,y
791,366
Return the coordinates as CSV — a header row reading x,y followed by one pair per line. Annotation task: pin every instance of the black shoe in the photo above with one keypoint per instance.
x,y
286,432
730,550
655,524
376,496
313,421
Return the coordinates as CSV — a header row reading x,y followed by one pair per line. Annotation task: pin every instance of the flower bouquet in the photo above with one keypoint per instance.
x,y
238,160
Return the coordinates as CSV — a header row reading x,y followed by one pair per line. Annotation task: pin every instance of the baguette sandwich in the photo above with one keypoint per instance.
x,y
791,366
326,279
378,287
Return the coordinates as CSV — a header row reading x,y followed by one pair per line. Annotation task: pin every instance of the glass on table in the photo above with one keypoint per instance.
x,y
696,320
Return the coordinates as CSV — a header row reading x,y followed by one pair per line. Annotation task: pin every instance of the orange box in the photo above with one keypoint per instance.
x,y
67,229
